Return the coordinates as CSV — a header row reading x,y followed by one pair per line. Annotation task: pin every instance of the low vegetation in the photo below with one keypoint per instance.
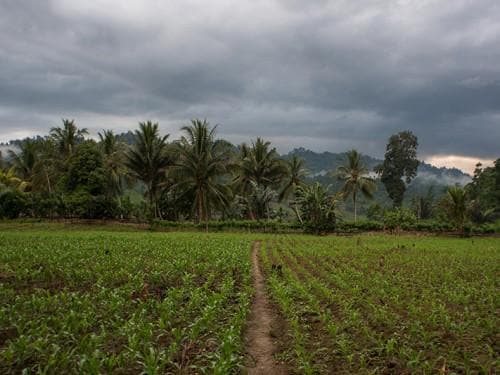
x,y
103,302
380,304
109,301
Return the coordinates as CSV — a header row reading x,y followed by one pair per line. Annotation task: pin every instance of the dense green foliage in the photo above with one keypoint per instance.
x,y
258,174
113,302
142,177
318,208
148,160
12,204
484,192
202,161
400,165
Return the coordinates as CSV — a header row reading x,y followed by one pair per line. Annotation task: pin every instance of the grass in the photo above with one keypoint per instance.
x,y
118,300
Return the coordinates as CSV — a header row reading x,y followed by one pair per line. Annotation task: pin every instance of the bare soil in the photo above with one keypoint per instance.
x,y
261,327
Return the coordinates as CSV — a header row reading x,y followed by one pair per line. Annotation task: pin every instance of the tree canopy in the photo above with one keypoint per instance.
x,y
200,177
400,165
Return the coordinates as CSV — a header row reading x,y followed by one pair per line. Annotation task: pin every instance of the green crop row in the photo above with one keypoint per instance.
x,y
100,302
382,304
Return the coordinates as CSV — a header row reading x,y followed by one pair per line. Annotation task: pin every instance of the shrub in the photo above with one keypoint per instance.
x,y
359,226
224,225
12,204
84,205
400,218
45,205
375,212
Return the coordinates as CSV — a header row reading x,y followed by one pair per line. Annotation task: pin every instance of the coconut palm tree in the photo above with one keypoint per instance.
x,y
354,174
68,136
48,166
259,163
294,179
259,200
25,159
148,160
456,206
38,163
258,166
114,162
9,180
202,162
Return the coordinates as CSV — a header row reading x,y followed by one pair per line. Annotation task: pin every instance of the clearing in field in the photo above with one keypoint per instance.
x,y
115,302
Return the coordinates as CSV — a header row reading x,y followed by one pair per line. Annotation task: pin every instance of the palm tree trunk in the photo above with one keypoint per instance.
x,y
48,182
250,213
119,199
150,199
200,207
157,205
296,209
205,209
354,202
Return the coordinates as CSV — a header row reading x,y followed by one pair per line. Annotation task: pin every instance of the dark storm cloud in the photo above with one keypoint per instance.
x,y
329,75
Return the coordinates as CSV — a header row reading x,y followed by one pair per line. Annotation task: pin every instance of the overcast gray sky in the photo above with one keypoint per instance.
x,y
326,75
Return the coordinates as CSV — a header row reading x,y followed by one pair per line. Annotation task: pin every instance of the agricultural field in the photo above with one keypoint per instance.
x,y
95,301
386,304
115,302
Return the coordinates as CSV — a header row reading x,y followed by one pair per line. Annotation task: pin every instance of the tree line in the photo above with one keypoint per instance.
x,y
200,177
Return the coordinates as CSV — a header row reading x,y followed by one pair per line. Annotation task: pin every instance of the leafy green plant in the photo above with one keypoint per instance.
x,y
399,218
99,301
13,204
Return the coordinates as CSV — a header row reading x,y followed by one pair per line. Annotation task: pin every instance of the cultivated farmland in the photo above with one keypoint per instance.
x,y
382,304
101,302
130,302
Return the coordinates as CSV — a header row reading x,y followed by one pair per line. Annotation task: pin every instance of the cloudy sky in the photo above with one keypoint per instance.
x,y
326,75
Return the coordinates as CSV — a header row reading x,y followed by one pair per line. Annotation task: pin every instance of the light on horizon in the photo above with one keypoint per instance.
x,y
465,163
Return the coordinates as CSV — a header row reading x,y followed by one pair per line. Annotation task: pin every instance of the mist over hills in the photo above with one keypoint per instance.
x,y
322,165
319,164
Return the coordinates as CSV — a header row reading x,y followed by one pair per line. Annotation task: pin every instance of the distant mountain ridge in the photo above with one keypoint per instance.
x,y
319,164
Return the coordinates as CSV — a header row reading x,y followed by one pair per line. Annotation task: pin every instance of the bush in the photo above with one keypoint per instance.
x,y
400,218
13,204
84,205
228,225
375,212
44,205
483,229
359,226
320,227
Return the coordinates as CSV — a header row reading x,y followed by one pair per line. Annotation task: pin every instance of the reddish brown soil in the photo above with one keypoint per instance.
x,y
262,322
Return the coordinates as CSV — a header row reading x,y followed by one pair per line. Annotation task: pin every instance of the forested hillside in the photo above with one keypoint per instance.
x,y
321,167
